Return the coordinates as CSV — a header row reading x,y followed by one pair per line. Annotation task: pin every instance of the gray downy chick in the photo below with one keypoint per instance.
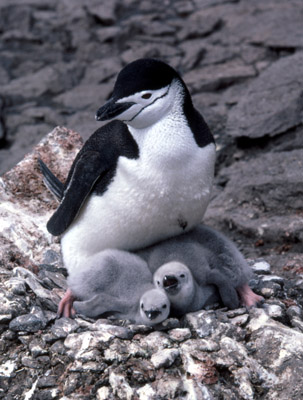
x,y
119,284
184,293
212,258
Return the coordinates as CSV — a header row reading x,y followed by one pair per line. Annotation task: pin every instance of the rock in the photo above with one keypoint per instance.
x,y
105,13
197,25
203,322
47,298
180,334
269,29
63,327
273,103
32,322
55,79
254,206
164,358
283,353
261,267
11,306
25,204
7,369
210,78
274,311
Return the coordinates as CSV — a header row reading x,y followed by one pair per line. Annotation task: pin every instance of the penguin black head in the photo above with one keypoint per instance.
x,y
144,92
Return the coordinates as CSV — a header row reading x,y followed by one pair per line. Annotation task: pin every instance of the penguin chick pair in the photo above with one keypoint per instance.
x,y
119,284
143,177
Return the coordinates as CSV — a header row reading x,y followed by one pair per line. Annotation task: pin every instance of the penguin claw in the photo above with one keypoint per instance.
x,y
65,307
248,298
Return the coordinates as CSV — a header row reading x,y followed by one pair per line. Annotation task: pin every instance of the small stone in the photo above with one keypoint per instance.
x,y
164,358
63,327
236,312
120,386
146,392
16,286
261,267
58,348
297,323
267,292
202,322
168,387
48,298
170,323
87,366
118,331
47,381
81,343
273,278
240,320
273,310
11,306
103,393
7,369
156,341
51,257
37,348
207,345
30,363
180,334
294,311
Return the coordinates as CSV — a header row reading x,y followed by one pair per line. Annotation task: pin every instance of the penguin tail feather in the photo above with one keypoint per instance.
x,y
51,181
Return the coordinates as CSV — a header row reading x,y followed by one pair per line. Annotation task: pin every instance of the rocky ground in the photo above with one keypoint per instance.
x,y
243,63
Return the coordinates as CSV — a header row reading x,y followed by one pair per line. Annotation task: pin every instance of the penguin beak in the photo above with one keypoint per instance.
x,y
111,109
170,283
152,314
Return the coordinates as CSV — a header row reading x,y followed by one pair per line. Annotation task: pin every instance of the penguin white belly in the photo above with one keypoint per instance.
x,y
151,198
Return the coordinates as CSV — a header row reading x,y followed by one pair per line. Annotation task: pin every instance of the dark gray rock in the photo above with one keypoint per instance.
x,y
197,25
256,192
211,78
32,322
273,103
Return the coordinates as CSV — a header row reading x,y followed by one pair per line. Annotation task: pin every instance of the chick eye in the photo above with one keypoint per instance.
x,y
164,306
142,306
146,96
158,283
182,276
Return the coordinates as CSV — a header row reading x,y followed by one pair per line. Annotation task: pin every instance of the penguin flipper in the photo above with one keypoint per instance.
x,y
87,170
228,293
51,181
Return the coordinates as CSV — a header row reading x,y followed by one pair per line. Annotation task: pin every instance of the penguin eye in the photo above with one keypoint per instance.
x,y
158,283
182,276
142,306
146,96
164,306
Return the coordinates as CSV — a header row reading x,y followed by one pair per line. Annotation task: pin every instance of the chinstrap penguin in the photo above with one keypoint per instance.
x,y
142,178
184,293
212,258
119,284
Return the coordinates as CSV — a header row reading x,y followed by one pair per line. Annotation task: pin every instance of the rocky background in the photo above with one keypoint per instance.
x,y
243,63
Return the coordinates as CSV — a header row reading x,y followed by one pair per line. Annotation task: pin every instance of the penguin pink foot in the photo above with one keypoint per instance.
x,y
248,297
65,308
